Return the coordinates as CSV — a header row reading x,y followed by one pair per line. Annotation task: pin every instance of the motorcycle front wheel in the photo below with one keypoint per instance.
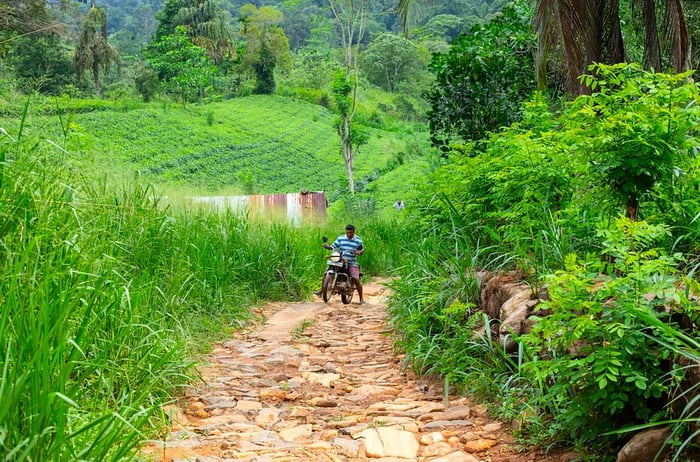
x,y
327,287
346,298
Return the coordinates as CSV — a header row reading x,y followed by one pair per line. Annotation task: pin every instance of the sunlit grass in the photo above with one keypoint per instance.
x,y
110,292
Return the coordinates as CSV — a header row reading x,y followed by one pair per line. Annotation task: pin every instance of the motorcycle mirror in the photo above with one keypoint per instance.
x,y
325,239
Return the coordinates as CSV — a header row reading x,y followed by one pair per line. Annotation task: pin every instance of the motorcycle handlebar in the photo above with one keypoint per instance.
x,y
352,252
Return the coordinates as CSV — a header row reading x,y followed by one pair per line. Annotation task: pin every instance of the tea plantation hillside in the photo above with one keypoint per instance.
x,y
251,145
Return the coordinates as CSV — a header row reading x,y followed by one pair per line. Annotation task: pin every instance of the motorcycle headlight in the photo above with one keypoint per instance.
x,y
335,256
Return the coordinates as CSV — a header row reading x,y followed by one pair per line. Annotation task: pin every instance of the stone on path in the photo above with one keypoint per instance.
x,y
320,383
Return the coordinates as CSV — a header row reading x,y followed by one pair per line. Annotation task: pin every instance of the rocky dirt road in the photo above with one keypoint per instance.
x,y
319,382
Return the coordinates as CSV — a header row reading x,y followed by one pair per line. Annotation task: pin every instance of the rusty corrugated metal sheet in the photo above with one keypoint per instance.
x,y
299,207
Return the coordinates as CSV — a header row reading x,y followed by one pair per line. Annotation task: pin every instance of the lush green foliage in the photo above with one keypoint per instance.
x,y
544,182
146,83
93,52
40,64
391,59
71,312
523,194
183,68
268,144
543,191
266,46
113,288
206,23
431,300
602,366
483,79
637,128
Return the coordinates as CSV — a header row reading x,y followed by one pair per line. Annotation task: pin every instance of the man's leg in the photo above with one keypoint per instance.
x,y
355,275
358,284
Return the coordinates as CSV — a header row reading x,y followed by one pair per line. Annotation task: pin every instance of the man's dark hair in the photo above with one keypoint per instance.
x,y
349,228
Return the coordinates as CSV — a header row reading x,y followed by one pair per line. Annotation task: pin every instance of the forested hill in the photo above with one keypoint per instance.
x,y
131,23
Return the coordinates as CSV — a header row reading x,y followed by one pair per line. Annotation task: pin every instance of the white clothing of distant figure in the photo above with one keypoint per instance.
x,y
399,205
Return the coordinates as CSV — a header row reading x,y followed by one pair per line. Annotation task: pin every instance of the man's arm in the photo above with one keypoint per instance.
x,y
360,249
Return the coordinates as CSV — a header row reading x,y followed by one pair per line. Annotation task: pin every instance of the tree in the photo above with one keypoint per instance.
x,y
443,27
390,59
589,31
41,64
206,24
184,68
93,51
266,46
313,67
472,12
572,34
300,18
25,18
636,127
351,18
483,79
146,82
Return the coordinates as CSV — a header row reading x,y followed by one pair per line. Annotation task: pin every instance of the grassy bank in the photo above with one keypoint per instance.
x,y
108,295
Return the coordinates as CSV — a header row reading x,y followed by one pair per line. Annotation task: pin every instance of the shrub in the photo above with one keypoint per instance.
x,y
599,365
146,82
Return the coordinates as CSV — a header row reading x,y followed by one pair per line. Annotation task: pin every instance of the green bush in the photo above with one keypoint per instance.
x,y
600,366
146,82
41,64
540,191
637,129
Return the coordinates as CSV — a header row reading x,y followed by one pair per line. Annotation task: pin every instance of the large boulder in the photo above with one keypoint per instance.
x,y
497,290
516,322
644,446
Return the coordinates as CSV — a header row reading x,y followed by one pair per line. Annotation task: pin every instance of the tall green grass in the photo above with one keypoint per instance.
x,y
107,295
431,301
84,364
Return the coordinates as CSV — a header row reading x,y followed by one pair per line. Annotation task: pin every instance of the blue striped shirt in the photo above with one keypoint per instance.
x,y
347,246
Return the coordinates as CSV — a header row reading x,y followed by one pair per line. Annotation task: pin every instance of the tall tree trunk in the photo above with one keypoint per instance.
x,y
588,30
632,207
351,17
676,28
348,157
96,76
613,47
652,47
591,33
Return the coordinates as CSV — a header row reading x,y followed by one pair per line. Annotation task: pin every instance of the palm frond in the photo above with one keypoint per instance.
x,y
546,25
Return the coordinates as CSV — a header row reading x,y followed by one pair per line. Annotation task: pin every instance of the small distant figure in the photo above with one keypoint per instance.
x,y
399,205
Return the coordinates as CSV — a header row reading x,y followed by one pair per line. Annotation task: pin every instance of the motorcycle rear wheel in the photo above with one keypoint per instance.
x,y
346,298
327,287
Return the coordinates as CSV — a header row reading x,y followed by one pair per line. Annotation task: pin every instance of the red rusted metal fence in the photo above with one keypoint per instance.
x,y
297,208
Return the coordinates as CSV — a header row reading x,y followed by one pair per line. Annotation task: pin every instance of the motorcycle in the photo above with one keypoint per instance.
x,y
336,279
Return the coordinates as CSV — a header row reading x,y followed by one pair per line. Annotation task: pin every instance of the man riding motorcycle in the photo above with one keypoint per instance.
x,y
350,245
